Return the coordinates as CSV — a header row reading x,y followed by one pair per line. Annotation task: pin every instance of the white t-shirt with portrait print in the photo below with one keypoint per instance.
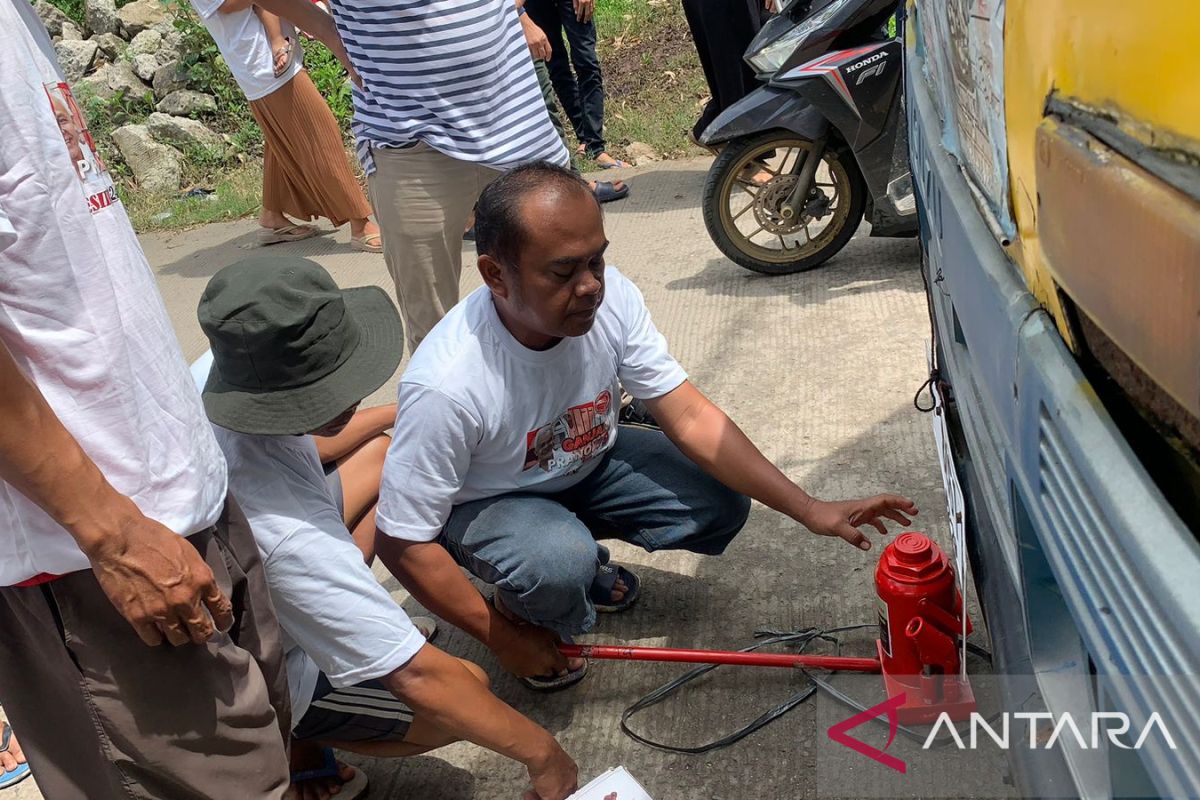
x,y
242,40
482,415
81,315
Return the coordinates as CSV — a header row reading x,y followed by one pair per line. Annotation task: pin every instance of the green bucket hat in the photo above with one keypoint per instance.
x,y
292,351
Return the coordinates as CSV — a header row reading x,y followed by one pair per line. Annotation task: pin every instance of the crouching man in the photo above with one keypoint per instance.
x,y
507,458
294,355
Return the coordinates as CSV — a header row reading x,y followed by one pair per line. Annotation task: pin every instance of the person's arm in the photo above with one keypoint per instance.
x,y
305,16
155,578
333,608
710,438
535,37
366,424
433,578
426,467
440,689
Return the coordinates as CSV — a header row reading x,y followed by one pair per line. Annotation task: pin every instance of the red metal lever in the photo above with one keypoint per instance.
x,y
620,653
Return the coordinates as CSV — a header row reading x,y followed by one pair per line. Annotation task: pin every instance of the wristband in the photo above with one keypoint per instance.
x,y
520,11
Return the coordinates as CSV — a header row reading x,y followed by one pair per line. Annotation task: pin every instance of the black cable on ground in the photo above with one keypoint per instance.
x,y
801,639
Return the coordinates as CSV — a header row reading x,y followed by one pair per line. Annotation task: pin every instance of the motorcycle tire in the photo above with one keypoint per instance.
x,y
727,176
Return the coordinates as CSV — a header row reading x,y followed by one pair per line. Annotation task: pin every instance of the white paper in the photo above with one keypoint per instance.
x,y
616,784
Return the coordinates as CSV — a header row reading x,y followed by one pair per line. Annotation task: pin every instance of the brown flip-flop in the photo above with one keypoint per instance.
x,y
288,233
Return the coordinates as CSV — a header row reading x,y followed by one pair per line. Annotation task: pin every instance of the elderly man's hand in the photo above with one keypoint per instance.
x,y
843,518
160,584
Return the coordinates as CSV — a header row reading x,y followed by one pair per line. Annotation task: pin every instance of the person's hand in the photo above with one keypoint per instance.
x,y
843,518
584,10
535,37
771,6
555,777
160,584
528,651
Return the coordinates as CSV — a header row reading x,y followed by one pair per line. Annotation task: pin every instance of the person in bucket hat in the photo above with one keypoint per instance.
x,y
293,355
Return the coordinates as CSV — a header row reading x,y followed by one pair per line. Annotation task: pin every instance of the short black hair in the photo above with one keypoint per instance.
x,y
498,229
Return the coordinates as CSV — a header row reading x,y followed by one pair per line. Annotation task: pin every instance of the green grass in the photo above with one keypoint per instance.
x,y
653,81
654,87
237,195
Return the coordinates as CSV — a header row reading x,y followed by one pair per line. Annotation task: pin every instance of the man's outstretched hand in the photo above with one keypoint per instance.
x,y
844,517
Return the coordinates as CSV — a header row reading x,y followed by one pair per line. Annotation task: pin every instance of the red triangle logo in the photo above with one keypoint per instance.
x,y
890,707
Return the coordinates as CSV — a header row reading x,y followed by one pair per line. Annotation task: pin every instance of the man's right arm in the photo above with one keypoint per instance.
x,y
154,577
441,690
426,467
428,572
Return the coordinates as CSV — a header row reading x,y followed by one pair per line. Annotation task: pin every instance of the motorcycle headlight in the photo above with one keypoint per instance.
x,y
771,57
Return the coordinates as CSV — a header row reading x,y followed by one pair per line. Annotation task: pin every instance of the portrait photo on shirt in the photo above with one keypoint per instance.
x,y
89,166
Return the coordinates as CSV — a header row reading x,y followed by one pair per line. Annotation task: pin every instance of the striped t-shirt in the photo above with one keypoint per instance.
x,y
454,74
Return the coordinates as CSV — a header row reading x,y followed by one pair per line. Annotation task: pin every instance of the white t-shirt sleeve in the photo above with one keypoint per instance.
x,y
206,8
426,463
8,234
332,607
647,369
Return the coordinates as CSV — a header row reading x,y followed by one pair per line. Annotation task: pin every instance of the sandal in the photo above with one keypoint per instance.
x,y
606,192
22,771
284,52
602,589
541,683
352,789
288,233
555,683
368,243
616,164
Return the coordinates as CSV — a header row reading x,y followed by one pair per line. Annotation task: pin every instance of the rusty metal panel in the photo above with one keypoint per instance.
x,y
1125,247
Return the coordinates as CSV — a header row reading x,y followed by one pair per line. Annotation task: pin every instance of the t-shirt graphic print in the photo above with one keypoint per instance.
x,y
89,166
573,439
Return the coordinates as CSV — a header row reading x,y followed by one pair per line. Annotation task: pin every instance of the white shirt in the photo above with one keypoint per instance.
x,y
482,415
81,314
335,616
455,75
242,40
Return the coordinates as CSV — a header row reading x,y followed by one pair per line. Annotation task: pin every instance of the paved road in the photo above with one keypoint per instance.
x,y
820,370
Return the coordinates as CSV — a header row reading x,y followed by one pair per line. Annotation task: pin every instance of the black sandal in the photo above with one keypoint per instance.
x,y
602,589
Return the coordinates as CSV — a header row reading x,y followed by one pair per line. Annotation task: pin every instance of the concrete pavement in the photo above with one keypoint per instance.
x,y
818,368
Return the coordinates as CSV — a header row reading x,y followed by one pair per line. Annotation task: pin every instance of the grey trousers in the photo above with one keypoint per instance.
x,y
100,715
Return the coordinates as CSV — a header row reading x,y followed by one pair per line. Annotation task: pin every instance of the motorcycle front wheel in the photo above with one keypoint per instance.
x,y
744,204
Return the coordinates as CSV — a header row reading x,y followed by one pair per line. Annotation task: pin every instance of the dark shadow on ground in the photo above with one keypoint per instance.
x,y
894,264
204,263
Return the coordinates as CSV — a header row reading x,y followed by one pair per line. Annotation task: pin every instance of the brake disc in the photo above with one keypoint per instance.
x,y
769,202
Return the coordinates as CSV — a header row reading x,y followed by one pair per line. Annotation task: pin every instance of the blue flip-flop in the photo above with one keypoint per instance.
x,y
602,588
606,192
352,789
22,771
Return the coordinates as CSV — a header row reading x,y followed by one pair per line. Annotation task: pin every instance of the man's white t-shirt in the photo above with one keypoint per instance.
x,y
81,314
482,415
242,40
335,616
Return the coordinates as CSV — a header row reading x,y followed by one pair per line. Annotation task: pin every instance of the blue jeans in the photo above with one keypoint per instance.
x,y
581,93
541,553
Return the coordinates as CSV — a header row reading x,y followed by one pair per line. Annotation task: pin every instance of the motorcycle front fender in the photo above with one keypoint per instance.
x,y
765,109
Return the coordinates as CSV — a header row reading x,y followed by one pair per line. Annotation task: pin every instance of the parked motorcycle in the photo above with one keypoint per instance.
x,y
822,143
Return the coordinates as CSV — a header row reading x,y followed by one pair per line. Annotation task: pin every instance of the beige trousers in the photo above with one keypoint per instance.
x,y
422,201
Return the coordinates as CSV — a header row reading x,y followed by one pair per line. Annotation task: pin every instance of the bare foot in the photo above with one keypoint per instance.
x,y
13,757
362,227
273,220
605,160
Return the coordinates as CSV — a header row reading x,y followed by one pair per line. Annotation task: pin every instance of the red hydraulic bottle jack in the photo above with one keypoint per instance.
x,y
920,612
